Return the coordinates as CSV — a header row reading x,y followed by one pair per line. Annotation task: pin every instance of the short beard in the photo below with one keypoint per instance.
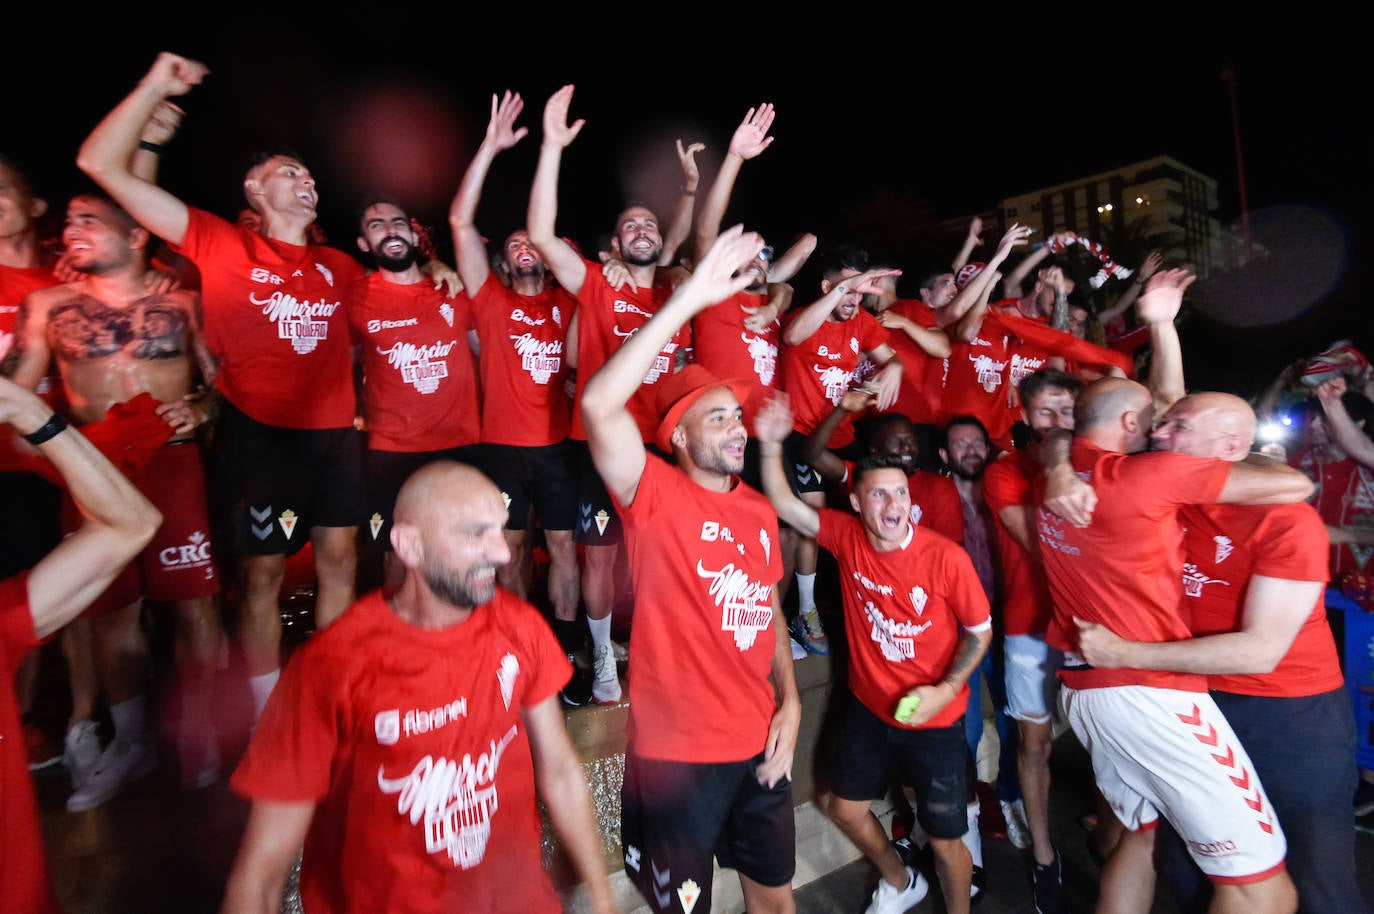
x,y
714,460
958,470
646,260
398,264
454,591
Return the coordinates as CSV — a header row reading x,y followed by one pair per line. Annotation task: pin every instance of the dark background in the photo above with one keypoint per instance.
x,y
883,120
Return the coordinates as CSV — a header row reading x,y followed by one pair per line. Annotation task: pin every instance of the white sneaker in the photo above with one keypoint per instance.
x,y
121,763
606,684
887,900
1018,831
798,652
81,750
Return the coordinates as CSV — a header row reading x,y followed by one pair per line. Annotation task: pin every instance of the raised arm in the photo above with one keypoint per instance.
x,y
563,790
1158,308
750,138
469,251
933,341
793,259
805,324
680,229
814,449
1257,480
117,521
567,265
1349,436
971,241
965,312
612,434
772,425
1153,261
1014,285
106,154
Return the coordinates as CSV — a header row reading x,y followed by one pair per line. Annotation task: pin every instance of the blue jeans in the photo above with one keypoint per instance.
x,y
990,669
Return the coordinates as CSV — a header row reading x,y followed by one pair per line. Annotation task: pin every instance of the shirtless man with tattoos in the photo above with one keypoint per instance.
x,y
113,336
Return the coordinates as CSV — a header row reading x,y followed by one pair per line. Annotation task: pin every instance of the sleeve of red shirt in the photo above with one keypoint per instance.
x,y
1003,487
1292,544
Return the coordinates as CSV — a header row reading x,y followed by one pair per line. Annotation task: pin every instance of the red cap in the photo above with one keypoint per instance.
x,y
677,394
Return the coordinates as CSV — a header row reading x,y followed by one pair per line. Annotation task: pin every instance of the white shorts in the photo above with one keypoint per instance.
x,y
1031,680
1169,752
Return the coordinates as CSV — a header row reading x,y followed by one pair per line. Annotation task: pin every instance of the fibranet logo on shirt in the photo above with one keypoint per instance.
x,y
391,725
377,326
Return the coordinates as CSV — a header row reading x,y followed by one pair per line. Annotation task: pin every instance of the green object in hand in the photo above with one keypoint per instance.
x,y
906,708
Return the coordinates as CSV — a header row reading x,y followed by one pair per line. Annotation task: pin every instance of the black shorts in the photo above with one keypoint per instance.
x,y
30,530
597,520
541,478
933,762
386,472
801,476
278,483
676,818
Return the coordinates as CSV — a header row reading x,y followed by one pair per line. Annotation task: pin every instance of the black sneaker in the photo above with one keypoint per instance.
x,y
1047,886
578,691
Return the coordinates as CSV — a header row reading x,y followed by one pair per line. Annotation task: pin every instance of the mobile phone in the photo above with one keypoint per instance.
x,y
906,708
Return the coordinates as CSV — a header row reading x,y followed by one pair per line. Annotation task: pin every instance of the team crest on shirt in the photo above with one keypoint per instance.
x,y
446,312
505,674
287,519
767,545
374,523
918,600
505,499
1194,580
1224,548
557,315
688,893
324,271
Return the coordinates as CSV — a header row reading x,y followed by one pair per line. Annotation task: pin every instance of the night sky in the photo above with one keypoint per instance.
x,y
873,115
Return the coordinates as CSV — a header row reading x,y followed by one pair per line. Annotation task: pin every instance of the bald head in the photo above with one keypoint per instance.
x,y
449,533
1210,424
441,487
1115,414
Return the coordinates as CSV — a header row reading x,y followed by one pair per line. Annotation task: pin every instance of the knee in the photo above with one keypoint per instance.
x,y
262,576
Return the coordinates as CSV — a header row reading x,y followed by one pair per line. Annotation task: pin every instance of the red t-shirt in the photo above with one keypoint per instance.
x,y
1344,497
722,345
1026,603
419,380
903,611
935,501
981,378
705,567
24,887
606,319
918,398
1122,570
523,364
412,744
1225,545
816,372
276,317
15,285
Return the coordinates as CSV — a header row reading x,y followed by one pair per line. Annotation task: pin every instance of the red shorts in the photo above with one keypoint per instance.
x,y
179,563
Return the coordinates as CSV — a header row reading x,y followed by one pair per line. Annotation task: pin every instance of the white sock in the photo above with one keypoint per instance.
x,y
130,718
973,839
806,591
601,633
262,687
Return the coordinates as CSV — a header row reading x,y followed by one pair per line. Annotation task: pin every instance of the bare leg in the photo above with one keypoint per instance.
x,y
767,899
336,569
511,575
260,612
855,818
564,576
121,653
80,657
954,868
1128,876
1033,766
1275,895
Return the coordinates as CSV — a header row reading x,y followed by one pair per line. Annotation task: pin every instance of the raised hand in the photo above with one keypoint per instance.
x,y
557,130
691,174
1163,295
176,75
501,131
773,421
751,136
